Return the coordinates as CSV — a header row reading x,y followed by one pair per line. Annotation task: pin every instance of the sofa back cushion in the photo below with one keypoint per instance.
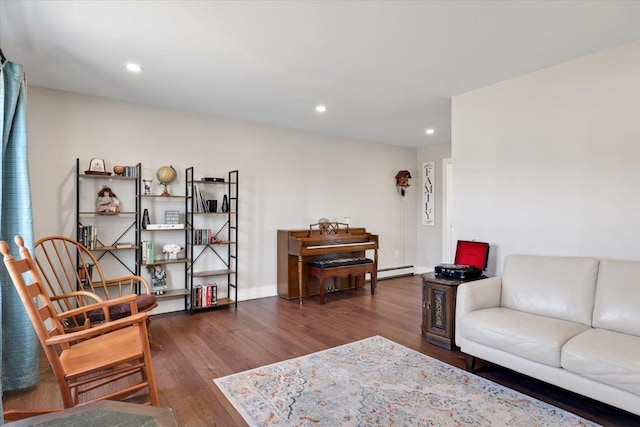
x,y
617,304
553,286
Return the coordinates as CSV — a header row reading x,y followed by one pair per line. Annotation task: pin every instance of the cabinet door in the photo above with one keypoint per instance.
x,y
439,309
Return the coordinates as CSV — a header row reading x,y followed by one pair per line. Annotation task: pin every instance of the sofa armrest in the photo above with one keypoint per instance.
x,y
477,295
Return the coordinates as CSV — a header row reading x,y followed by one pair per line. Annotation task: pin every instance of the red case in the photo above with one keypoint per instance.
x,y
472,253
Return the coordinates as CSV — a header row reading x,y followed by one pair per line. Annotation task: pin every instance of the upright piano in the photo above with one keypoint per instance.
x,y
296,248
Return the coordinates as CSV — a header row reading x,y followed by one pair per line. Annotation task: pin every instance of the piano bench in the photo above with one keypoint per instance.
x,y
342,267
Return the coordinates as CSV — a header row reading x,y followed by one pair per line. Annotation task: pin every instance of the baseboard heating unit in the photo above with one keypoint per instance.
x,y
393,272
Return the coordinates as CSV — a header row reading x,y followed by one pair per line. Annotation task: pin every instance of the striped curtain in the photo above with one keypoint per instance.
x,y
19,344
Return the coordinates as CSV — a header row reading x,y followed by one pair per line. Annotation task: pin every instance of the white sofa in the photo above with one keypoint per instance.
x,y
570,321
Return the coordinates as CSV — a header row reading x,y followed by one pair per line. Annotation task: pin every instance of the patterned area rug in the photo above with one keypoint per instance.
x,y
377,382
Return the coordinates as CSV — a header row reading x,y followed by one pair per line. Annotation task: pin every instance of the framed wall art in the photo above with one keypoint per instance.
x,y
428,194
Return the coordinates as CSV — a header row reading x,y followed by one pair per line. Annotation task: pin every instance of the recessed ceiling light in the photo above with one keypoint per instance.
x,y
321,109
134,68
430,131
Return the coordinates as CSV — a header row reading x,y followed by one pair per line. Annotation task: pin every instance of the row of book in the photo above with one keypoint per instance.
x,y
204,236
148,252
200,204
88,236
130,171
205,295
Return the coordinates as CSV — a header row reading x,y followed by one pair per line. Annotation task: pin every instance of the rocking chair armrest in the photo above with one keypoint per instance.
x,y
130,279
102,305
76,295
72,337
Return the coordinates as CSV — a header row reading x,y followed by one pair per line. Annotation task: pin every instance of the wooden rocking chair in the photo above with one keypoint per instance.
x,y
67,266
114,353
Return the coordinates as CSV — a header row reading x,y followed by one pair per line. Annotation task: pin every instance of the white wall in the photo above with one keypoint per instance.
x,y
288,179
429,250
549,163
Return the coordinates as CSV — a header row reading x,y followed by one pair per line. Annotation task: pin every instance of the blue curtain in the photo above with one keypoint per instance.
x,y
19,344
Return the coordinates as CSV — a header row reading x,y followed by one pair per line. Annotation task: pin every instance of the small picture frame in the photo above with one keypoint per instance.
x,y
97,165
172,217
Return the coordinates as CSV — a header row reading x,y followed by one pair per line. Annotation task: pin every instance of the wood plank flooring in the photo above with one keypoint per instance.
x,y
198,348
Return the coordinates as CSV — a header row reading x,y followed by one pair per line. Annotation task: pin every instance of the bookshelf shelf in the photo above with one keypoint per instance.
x,y
212,244
209,273
165,225
106,234
173,293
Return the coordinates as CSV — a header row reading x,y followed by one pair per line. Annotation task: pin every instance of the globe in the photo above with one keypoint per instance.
x,y
166,175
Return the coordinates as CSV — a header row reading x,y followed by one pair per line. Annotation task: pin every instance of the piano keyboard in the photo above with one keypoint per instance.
x,y
340,245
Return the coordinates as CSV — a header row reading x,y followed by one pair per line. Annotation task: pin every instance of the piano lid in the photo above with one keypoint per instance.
x,y
314,241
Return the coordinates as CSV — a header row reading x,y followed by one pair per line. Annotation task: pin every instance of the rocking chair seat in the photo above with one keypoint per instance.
x,y
144,302
116,348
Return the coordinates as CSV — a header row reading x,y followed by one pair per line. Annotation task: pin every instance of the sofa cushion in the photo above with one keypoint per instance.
x,y
606,357
526,335
617,299
553,286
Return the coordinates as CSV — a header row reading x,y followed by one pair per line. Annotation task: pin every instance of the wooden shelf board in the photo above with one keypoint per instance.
x,y
167,261
94,213
207,273
158,196
214,182
222,242
173,293
213,213
222,302
113,248
112,176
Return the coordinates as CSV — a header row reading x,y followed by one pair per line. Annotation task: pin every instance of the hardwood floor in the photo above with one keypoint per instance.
x,y
198,348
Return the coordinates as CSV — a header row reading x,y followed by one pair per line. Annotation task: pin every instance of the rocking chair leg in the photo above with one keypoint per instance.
x,y
152,344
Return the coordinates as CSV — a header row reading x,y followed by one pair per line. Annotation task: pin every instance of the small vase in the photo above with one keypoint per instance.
x,y
145,219
225,204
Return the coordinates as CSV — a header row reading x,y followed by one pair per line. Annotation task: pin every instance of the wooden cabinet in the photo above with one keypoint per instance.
x,y
439,310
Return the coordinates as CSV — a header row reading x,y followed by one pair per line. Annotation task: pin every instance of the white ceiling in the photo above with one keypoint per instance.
x,y
385,70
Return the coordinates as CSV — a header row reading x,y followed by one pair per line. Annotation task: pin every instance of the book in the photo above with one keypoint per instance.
x,y
165,226
151,252
124,245
205,295
200,201
147,252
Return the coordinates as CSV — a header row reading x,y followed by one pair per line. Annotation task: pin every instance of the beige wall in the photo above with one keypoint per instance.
x,y
548,163
288,179
429,238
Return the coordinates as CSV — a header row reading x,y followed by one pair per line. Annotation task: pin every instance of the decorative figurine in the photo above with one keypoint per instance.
x,y
107,202
147,187
225,204
158,280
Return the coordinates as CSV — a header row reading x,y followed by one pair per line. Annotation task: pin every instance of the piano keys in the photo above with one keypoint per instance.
x,y
298,247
